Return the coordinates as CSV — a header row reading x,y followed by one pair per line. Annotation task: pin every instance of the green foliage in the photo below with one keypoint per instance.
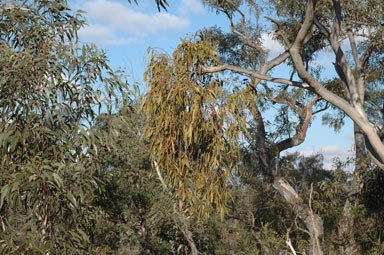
x,y
138,214
74,180
230,47
304,170
49,172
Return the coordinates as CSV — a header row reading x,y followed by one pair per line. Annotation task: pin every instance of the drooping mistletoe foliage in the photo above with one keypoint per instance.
x,y
49,172
194,124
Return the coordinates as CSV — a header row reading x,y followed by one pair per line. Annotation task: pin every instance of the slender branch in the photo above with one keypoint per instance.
x,y
301,128
215,69
341,60
352,42
307,24
334,43
244,35
159,175
341,65
327,95
279,31
277,60
322,109
321,27
289,243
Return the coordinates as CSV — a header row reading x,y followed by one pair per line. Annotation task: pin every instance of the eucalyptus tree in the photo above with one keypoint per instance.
x,y
51,89
195,127
195,142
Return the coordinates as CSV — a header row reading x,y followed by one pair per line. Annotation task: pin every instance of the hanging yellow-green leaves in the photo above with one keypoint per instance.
x,y
194,125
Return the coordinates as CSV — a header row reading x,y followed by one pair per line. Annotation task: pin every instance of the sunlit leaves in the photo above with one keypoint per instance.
x,y
48,100
194,124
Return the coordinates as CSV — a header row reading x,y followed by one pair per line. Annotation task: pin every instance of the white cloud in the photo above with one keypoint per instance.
x,y
113,23
116,16
102,35
326,58
330,152
191,7
272,45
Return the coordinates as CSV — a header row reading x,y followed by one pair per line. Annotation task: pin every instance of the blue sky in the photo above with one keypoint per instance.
x,y
126,31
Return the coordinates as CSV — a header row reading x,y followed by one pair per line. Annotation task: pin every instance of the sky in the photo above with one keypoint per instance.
x,y
126,32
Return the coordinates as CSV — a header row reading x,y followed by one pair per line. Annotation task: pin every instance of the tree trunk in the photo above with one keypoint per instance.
x,y
345,230
312,221
187,233
361,155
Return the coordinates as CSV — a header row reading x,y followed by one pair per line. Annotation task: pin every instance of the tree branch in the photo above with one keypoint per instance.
x,y
352,42
279,31
355,110
244,36
215,69
264,156
301,129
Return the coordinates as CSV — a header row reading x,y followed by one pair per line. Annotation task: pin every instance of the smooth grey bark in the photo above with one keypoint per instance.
x,y
352,104
266,154
354,107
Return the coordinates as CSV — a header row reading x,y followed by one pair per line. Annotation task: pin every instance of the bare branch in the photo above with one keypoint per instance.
x,y
341,61
321,27
215,69
355,112
289,243
352,42
301,128
322,109
159,174
277,60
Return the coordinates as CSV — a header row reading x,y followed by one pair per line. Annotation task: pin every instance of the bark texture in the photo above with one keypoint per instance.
x,y
312,221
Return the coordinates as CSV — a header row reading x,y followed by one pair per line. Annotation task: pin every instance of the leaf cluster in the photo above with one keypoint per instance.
x,y
48,157
193,124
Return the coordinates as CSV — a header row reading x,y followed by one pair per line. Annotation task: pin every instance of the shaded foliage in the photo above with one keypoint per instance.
x,y
49,170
